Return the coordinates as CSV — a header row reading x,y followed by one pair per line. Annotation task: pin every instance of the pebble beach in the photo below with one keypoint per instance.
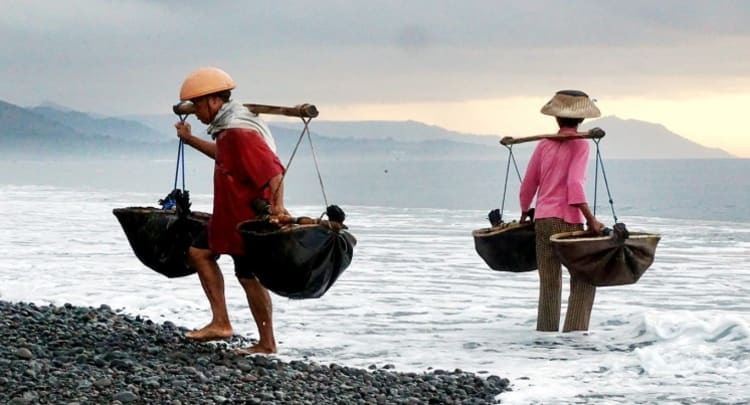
x,y
80,355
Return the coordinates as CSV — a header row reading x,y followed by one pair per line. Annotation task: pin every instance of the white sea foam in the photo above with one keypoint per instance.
x,y
417,296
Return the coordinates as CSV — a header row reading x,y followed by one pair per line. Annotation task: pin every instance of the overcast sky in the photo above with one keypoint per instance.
x,y
473,66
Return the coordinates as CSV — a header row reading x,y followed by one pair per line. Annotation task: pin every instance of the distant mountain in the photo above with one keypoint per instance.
x,y
362,139
126,130
625,139
400,131
54,105
163,123
46,132
633,139
22,129
53,130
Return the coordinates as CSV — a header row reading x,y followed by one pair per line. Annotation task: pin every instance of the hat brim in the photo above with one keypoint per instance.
x,y
567,106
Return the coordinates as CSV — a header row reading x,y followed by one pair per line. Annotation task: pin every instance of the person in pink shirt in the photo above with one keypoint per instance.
x,y
556,175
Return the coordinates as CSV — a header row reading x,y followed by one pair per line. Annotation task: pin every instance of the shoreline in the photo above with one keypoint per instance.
x,y
70,354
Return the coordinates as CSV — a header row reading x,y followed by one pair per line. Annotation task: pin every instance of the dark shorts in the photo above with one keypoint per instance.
x,y
242,264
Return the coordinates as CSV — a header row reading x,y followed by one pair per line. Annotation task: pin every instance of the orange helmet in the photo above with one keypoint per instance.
x,y
206,80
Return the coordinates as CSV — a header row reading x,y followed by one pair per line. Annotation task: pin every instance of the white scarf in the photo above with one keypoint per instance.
x,y
232,114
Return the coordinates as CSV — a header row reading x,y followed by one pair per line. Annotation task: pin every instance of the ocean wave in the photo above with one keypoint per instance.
x,y
688,343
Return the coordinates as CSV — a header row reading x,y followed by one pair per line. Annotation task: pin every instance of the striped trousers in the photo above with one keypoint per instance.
x,y
581,298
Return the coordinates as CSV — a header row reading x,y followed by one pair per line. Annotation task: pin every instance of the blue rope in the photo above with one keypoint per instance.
x,y
170,202
180,150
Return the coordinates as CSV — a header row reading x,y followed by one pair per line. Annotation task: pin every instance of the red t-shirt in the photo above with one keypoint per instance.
x,y
244,166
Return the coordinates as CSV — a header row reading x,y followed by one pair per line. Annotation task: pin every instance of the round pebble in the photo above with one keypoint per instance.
x,y
96,355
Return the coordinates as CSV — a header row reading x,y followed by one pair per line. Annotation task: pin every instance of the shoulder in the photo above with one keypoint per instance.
x,y
241,135
240,131
578,144
547,146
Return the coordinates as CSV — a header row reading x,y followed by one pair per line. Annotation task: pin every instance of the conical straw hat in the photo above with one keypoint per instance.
x,y
571,104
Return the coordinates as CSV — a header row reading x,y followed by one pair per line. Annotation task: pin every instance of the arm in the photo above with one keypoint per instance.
x,y
592,224
276,185
576,180
184,132
253,161
529,184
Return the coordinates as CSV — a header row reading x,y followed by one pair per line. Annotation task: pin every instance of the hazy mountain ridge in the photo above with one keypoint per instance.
x,y
625,138
127,130
22,130
35,133
645,140
400,131
51,130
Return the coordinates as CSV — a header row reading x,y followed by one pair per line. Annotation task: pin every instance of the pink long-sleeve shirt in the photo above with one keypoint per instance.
x,y
556,174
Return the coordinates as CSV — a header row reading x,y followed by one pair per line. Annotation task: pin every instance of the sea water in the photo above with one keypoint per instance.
x,y
417,295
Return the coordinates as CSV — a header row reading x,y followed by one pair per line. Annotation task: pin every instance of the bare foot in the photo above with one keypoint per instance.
x,y
208,333
256,349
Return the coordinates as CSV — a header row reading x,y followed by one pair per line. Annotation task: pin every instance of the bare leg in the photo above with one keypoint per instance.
x,y
261,307
213,285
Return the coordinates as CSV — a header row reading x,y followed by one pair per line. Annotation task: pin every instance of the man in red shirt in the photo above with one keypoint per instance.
x,y
246,169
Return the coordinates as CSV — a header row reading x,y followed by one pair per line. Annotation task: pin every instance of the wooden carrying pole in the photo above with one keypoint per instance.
x,y
593,133
302,110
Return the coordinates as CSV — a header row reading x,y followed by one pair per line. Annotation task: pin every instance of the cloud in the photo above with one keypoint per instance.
x,y
132,55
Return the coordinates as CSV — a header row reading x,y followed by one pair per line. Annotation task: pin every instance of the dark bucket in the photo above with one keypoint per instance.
x,y
160,238
297,261
507,246
619,258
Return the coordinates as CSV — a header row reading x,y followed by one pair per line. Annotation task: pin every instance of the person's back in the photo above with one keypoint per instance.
x,y
556,175
244,167
557,172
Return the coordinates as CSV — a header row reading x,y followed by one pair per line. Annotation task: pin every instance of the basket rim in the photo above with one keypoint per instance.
x,y
574,236
285,228
497,230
